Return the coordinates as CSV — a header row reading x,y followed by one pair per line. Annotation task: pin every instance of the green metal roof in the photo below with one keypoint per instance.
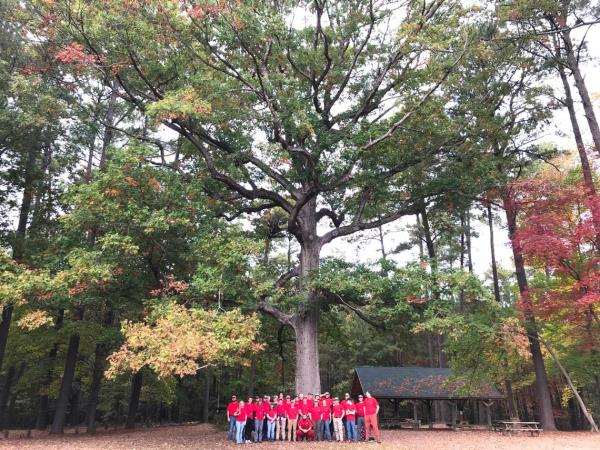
x,y
417,383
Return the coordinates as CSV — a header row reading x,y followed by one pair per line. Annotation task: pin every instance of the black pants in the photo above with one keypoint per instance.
x,y
248,429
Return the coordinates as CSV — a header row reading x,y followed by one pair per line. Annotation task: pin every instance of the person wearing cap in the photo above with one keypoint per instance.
x,y
371,411
232,407
240,422
292,413
324,431
360,418
280,432
305,429
338,415
350,413
271,421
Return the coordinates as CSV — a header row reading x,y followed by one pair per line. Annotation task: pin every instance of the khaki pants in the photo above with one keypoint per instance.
x,y
338,429
291,430
280,433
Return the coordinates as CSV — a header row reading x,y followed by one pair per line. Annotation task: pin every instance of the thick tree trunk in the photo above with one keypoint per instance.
x,y
588,107
134,399
307,353
542,388
58,423
306,321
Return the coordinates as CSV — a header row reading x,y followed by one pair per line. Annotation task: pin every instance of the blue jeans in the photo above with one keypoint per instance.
x,y
258,427
239,432
351,430
231,428
271,430
325,432
360,427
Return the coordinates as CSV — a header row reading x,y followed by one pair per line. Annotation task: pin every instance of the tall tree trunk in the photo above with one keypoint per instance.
x,y
588,107
542,388
468,242
100,354
134,399
306,321
58,423
24,212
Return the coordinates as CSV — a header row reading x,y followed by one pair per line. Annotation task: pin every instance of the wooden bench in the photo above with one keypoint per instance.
x,y
515,426
460,424
411,423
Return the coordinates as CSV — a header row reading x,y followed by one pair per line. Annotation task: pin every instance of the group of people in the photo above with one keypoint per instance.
x,y
311,417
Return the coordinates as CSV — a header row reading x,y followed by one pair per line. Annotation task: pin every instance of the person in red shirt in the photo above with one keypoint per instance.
x,y
250,410
259,418
346,398
292,413
360,418
305,429
281,411
328,399
305,406
371,411
271,422
240,422
338,414
315,415
324,431
231,409
350,413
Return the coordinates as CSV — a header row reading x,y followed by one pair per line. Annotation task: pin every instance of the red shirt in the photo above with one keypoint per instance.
x,y
305,424
232,408
259,410
293,411
350,412
280,408
338,411
326,412
242,416
271,415
329,402
315,413
249,409
360,409
266,406
370,406
305,406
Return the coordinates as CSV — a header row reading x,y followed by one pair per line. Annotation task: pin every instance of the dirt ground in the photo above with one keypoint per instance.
x,y
209,437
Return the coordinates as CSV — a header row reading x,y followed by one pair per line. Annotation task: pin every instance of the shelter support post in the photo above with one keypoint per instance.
x,y
488,413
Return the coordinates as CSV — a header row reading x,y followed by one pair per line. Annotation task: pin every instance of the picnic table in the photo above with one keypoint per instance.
x,y
516,426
